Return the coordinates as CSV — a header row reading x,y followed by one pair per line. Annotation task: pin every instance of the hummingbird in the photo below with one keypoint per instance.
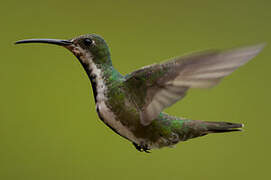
x,y
131,105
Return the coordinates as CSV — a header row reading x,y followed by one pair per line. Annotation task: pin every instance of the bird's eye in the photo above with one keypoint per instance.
x,y
88,41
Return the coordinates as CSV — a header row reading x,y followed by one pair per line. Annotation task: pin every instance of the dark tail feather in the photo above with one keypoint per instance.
x,y
221,127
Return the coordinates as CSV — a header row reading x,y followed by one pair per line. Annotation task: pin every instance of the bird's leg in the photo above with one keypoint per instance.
x,y
137,147
141,148
146,149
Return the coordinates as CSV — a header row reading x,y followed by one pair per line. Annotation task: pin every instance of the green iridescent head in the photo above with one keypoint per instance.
x,y
92,44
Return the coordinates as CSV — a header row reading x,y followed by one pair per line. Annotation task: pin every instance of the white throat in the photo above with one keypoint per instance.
x,y
95,72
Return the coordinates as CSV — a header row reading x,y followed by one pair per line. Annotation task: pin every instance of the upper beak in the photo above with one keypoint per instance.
x,y
47,41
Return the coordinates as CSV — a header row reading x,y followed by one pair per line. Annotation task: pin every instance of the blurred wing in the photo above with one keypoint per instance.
x,y
155,87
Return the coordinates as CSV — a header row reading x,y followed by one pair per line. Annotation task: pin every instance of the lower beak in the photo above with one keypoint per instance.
x,y
47,41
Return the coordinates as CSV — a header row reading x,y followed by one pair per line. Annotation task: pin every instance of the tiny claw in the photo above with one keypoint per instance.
x,y
146,149
142,148
137,147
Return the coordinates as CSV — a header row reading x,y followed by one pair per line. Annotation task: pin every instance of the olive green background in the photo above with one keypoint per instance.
x,y
49,129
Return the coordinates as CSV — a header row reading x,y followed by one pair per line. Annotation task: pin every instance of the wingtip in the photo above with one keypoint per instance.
x,y
250,51
260,46
253,48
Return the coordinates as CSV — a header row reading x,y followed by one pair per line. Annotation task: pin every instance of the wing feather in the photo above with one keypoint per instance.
x,y
167,83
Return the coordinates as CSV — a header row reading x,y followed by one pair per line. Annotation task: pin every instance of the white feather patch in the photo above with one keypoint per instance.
x,y
107,115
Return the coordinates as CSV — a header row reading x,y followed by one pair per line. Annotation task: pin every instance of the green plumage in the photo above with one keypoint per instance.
x,y
132,105
165,130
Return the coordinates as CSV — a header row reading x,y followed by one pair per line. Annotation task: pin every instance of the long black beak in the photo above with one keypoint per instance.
x,y
47,41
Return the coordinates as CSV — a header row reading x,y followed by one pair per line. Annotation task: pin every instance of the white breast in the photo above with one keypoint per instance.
x,y
105,112
107,115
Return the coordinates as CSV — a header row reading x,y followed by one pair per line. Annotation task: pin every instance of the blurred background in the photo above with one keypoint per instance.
x,y
48,125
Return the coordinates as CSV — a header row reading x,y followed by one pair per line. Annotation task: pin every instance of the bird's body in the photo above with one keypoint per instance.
x,y
132,105
116,109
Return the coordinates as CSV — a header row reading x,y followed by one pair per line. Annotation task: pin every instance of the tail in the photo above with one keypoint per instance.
x,y
172,129
195,128
221,127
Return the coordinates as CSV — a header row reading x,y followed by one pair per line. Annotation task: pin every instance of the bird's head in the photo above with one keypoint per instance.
x,y
89,48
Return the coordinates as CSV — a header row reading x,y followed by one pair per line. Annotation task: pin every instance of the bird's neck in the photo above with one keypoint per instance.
x,y
101,76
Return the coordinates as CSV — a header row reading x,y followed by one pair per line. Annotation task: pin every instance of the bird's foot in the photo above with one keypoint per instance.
x,y
142,148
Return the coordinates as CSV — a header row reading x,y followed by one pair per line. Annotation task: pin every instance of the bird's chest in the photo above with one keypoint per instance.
x,y
100,91
104,111
110,119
